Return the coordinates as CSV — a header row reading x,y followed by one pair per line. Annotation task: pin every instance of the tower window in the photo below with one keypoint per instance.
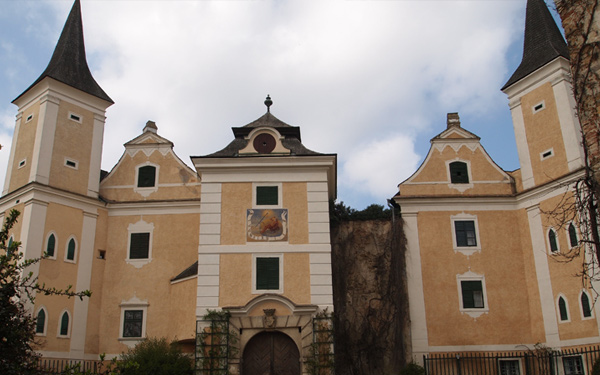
x,y
465,233
546,154
472,294
29,118
459,173
75,117
267,195
133,321
139,246
267,273
538,107
22,163
71,163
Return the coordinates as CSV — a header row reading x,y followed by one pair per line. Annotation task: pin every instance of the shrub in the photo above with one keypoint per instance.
x,y
155,357
596,367
413,369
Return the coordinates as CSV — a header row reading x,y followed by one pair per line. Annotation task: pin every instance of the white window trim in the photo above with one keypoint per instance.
x,y
548,241
460,187
139,227
511,359
566,306
67,250
146,191
542,103
472,312
267,255
569,234
133,303
550,150
466,250
591,302
79,119
279,194
22,163
68,335
53,257
72,161
45,321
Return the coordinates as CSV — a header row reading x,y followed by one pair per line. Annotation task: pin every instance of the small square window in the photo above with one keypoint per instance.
x,y
509,367
267,196
573,365
146,176
472,294
133,321
465,233
139,246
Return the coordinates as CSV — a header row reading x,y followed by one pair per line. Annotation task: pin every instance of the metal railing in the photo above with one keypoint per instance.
x,y
63,366
539,361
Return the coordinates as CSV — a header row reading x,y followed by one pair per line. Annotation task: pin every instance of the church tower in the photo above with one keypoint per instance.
x,y
541,102
60,121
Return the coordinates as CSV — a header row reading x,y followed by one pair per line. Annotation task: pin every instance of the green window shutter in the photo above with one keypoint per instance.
x,y
139,246
465,233
71,250
51,245
267,195
472,294
267,273
146,176
562,308
64,324
573,235
552,240
41,322
459,173
585,305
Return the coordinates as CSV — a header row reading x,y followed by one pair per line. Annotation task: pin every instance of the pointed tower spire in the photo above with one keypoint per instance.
x,y
543,41
68,63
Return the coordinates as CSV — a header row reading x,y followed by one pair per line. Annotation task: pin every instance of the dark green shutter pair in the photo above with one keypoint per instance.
x,y
267,273
267,195
146,176
139,246
458,173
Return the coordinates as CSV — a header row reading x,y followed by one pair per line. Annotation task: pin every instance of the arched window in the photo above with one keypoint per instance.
x,y
64,324
51,245
459,173
586,309
573,241
146,176
552,240
40,323
562,309
71,247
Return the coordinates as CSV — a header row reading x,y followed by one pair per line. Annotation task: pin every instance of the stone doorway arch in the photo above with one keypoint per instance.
x,y
271,353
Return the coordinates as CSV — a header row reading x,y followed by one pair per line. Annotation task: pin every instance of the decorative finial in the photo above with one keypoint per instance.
x,y
268,103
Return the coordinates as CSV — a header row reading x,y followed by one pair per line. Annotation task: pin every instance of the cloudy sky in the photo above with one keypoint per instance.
x,y
369,80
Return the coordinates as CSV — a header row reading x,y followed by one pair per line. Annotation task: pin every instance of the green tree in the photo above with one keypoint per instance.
x,y
17,286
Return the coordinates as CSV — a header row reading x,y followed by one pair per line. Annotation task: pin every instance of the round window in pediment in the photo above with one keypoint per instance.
x,y
264,143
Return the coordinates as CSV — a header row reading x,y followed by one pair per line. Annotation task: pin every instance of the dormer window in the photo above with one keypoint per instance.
x,y
459,173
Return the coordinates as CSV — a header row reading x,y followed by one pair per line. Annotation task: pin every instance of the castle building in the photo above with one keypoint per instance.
x,y
486,247
158,244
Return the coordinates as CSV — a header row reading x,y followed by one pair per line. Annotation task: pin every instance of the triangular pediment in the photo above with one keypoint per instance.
x,y
455,132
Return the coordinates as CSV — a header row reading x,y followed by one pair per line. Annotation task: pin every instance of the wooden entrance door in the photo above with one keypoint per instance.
x,y
271,353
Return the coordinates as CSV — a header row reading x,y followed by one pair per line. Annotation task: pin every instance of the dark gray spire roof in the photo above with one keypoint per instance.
x,y
68,63
543,41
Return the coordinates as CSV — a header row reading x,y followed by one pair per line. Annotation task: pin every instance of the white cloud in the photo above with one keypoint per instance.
x,y
349,73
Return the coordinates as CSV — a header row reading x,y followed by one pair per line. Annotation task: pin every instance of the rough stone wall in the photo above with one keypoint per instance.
x,y
370,297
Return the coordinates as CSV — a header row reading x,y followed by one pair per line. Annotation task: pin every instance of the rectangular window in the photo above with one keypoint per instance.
x,y
140,245
267,273
472,294
132,323
509,367
465,233
459,173
573,365
267,195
